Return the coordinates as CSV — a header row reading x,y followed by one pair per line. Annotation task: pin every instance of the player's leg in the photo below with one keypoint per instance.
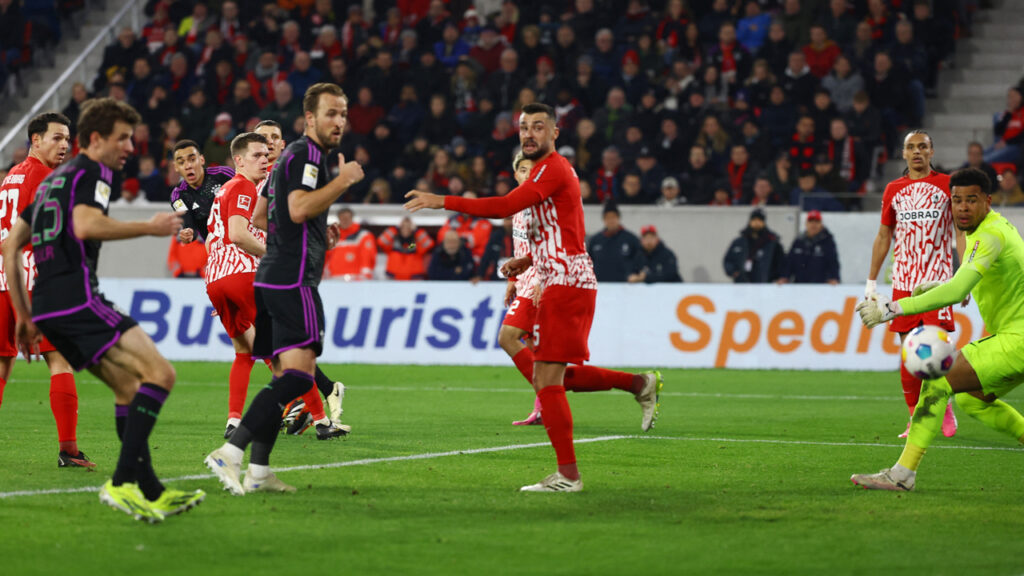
x,y
515,329
8,348
64,405
562,328
927,419
238,379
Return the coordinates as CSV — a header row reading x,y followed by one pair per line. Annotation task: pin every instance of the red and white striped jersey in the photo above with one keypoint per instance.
x,y
235,198
521,223
920,214
557,235
17,191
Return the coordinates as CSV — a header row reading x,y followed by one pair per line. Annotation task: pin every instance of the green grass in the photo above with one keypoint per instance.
x,y
746,473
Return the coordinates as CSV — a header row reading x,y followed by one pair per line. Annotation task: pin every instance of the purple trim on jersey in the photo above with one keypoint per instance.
x,y
59,313
286,166
314,152
120,411
310,320
299,373
111,317
96,358
302,265
154,392
176,193
106,173
226,170
81,244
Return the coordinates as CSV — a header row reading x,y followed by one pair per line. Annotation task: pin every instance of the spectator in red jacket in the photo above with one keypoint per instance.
x,y
821,53
355,255
1009,130
407,248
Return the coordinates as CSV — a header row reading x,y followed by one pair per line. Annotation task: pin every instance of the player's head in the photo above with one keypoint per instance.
x,y
918,151
105,129
275,137
189,162
50,135
326,108
250,153
971,198
521,167
537,130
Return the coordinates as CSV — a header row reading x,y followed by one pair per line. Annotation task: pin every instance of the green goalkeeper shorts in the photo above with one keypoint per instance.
x,y
998,360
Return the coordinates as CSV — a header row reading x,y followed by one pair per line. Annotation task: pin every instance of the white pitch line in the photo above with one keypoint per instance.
x,y
432,455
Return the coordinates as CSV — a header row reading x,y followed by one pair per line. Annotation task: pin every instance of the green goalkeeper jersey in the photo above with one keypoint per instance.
x,y
992,272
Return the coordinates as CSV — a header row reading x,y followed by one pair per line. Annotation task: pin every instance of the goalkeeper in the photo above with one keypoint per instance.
x,y
986,369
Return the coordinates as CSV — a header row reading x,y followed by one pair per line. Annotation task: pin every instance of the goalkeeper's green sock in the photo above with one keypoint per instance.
x,y
926,422
997,415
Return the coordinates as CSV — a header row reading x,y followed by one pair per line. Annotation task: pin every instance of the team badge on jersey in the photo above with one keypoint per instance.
x,y
244,202
309,175
102,193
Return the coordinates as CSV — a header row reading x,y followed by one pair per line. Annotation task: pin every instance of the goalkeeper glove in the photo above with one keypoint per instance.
x,y
924,287
877,309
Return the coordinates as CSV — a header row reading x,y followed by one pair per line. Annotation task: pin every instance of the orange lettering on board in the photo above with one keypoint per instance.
x,y
842,319
891,342
728,343
785,324
864,340
699,326
964,329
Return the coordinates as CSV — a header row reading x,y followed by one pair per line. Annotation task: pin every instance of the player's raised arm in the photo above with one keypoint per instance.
x,y
501,207
303,205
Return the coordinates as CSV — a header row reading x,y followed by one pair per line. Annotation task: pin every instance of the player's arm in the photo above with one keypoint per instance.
x,y
523,196
27,335
879,250
18,238
238,233
90,223
259,213
305,204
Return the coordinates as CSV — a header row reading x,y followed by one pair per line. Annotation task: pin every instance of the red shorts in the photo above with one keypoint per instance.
x,y
943,317
562,327
8,346
234,299
521,314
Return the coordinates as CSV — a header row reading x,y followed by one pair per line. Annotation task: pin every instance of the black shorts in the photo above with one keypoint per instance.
x,y
288,318
84,333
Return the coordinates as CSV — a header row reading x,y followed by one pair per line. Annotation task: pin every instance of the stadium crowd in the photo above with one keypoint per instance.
x,y
665,102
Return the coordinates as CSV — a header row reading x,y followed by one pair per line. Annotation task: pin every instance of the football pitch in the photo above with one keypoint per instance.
x,y
746,472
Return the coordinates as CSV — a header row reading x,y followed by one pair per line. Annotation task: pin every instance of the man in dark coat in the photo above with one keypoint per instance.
x,y
756,257
656,262
813,258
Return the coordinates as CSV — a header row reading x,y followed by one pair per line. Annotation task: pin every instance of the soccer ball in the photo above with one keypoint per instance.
x,y
928,352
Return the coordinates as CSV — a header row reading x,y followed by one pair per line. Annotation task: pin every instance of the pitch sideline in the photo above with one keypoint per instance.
x,y
470,451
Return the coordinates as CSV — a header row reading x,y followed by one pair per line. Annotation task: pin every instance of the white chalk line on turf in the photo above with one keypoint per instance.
x,y
492,449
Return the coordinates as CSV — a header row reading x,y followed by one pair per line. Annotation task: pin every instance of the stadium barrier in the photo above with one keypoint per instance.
x,y
681,325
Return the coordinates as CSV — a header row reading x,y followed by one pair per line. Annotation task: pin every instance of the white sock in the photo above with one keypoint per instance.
x,y
234,422
900,472
233,452
258,471
325,421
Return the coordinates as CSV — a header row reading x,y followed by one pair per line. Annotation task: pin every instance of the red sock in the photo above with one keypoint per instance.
x,y
314,404
269,363
238,384
64,404
3,383
911,388
558,422
524,363
594,379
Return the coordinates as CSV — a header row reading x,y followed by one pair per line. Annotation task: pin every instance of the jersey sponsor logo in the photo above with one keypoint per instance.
x,y
310,174
520,234
915,215
102,196
179,206
974,251
244,202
